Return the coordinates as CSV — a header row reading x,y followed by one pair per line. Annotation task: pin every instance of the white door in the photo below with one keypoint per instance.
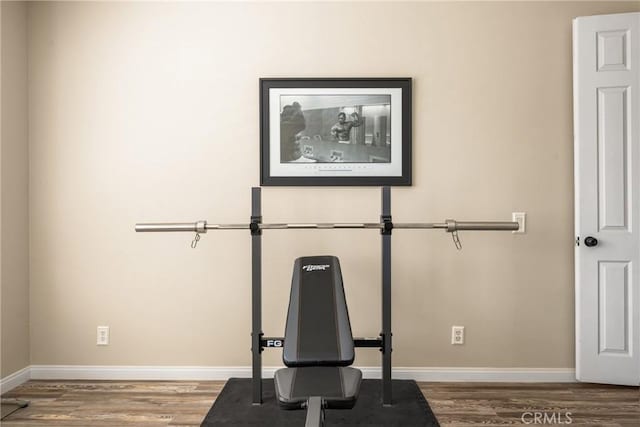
x,y
606,74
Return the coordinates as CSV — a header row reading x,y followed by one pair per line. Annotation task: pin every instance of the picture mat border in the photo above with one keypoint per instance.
x,y
393,168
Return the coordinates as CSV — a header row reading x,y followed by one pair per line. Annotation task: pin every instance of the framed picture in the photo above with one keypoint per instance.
x,y
335,131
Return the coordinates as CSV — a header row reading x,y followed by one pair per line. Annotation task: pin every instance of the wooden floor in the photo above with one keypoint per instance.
x,y
185,403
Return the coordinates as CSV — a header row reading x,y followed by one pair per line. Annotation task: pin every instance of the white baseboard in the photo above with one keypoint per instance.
x,y
524,375
12,381
119,372
202,373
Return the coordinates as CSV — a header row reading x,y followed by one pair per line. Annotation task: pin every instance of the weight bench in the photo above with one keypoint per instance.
x,y
318,344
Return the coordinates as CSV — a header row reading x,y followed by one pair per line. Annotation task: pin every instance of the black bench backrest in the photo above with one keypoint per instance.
x,y
318,332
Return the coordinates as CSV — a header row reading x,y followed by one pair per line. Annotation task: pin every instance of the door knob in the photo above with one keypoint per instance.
x,y
590,241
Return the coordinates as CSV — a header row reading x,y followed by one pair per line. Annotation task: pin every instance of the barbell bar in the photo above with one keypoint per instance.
x,y
448,225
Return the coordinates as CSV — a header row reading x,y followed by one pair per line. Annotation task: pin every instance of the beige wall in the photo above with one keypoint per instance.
x,y
14,186
149,111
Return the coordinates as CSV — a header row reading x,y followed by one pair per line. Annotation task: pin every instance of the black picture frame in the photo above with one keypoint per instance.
x,y
394,170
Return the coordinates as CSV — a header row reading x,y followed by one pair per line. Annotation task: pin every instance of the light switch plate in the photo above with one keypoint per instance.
x,y
520,218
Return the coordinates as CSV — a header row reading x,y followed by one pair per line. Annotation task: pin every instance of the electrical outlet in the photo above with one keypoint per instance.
x,y
520,218
457,335
103,335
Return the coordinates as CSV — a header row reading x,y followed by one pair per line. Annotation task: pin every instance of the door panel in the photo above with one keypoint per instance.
x,y
613,173
613,302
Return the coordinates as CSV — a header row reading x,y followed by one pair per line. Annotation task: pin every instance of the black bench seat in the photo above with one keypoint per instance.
x,y
318,344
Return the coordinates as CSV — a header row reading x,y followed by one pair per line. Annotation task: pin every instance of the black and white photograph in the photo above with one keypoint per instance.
x,y
335,131
335,128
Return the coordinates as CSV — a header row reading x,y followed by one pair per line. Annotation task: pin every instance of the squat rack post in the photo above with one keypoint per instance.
x,y
256,294
385,220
